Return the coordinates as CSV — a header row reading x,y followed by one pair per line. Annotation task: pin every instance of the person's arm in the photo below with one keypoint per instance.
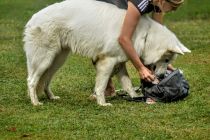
x,y
159,18
125,39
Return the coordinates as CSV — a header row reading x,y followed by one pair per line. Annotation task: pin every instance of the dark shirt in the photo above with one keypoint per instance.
x,y
143,6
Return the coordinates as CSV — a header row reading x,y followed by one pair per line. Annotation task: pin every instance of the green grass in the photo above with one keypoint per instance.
x,y
76,117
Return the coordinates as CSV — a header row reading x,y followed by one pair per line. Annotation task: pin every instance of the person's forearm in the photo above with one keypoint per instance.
x,y
128,48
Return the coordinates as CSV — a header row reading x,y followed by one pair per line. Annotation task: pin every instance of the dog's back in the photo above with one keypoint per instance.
x,y
83,26
87,27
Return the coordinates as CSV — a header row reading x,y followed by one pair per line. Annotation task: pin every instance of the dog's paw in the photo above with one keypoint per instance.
x,y
37,103
55,98
106,104
92,97
135,95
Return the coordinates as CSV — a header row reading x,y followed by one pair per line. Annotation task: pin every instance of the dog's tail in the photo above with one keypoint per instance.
x,y
40,54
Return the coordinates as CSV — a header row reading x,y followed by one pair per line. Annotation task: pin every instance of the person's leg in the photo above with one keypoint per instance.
x,y
110,89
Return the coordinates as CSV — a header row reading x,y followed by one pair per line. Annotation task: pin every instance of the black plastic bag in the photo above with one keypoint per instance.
x,y
172,87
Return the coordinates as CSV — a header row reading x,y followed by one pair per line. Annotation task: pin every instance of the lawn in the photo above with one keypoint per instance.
x,y
76,117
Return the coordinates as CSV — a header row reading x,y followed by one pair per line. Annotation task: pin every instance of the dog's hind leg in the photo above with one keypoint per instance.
x,y
47,77
38,61
104,68
125,81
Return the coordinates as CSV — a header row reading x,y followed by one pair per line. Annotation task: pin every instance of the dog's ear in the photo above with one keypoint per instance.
x,y
176,49
183,48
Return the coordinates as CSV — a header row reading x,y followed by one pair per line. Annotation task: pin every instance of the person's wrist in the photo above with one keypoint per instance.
x,y
141,67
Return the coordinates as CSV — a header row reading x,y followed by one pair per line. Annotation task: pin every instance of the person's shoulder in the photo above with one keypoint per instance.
x,y
141,5
140,2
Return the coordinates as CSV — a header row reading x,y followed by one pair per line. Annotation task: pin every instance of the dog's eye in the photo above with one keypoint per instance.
x,y
167,60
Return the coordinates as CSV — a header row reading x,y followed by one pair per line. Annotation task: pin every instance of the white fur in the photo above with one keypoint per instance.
x,y
90,28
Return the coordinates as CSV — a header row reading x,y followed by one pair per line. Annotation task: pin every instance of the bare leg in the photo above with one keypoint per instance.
x,y
110,89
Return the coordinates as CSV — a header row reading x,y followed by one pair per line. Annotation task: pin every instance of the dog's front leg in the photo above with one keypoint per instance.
x,y
104,68
125,81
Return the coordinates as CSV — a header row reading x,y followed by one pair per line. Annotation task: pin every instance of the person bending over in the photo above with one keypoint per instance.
x,y
134,10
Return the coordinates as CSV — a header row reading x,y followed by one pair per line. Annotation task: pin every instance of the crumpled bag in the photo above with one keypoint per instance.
x,y
172,87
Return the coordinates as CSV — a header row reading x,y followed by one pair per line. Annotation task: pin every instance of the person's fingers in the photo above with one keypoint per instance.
x,y
149,70
147,75
146,78
149,78
152,77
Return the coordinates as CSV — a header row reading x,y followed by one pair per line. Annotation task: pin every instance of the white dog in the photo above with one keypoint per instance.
x,y
91,28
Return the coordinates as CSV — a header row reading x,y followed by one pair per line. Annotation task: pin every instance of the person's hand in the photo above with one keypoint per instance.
x,y
146,74
170,67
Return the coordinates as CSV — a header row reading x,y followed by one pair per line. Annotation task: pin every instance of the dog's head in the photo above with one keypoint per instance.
x,y
161,47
